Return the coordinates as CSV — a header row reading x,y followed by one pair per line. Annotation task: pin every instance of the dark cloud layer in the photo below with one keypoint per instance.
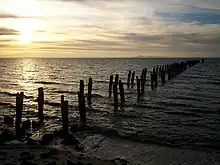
x,y
6,31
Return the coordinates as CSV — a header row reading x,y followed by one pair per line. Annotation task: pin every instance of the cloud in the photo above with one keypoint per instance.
x,y
6,31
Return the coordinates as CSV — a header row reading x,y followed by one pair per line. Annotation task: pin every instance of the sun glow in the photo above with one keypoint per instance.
x,y
27,31
26,36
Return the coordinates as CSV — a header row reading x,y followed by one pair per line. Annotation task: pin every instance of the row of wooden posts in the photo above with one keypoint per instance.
x,y
170,70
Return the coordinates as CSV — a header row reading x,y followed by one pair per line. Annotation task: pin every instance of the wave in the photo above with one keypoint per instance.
x,y
185,98
56,104
170,141
182,113
47,82
15,94
6,104
68,92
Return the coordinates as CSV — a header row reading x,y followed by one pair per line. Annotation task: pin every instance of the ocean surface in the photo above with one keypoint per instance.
x,y
184,113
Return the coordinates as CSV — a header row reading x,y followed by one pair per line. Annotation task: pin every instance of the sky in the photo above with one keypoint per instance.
x,y
109,28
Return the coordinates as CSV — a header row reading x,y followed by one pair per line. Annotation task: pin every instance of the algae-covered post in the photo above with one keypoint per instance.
x,y
19,109
89,97
138,88
132,79
115,93
81,101
40,100
129,79
122,96
64,113
110,86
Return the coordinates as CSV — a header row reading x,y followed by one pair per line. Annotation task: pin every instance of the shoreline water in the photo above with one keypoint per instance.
x,y
184,111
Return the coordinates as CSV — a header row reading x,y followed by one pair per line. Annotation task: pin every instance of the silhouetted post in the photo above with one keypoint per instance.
x,y
145,74
163,74
142,83
129,79
82,107
62,99
152,81
116,79
155,80
115,93
157,69
132,79
89,97
19,109
169,73
64,113
138,88
110,85
40,100
203,60
122,96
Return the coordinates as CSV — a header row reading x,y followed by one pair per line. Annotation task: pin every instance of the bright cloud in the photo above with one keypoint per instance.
x,y
77,28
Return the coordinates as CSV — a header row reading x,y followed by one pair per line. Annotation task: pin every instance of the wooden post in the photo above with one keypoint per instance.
x,y
142,83
155,80
138,88
81,99
89,97
152,81
64,113
110,86
129,79
132,79
115,93
145,75
122,96
62,99
19,109
157,69
40,100
116,79
163,74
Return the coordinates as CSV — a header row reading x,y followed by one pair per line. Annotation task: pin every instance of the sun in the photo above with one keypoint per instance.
x,y
27,31
26,36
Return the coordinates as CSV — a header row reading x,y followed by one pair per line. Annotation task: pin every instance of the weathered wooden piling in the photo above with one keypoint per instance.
x,y
163,76
115,94
155,80
132,79
40,100
110,85
122,96
142,83
64,113
144,74
138,88
19,109
81,100
152,81
116,79
129,79
169,73
62,99
157,69
89,97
